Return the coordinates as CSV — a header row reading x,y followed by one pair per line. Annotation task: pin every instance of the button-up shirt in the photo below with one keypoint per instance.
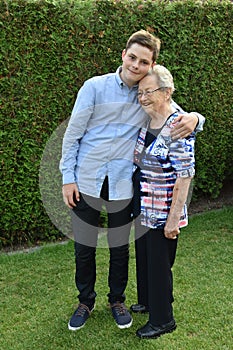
x,y
101,135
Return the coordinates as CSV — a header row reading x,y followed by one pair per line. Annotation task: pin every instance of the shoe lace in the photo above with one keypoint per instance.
x,y
120,309
81,310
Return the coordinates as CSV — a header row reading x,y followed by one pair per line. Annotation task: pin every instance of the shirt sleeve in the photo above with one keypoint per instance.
x,y
201,121
181,154
77,126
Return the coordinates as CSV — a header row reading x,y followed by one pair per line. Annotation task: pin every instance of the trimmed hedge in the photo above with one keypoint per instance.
x,y
48,48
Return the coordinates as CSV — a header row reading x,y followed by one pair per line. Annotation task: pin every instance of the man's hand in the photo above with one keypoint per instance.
x,y
70,191
184,125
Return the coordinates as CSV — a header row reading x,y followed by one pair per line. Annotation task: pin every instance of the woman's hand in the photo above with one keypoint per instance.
x,y
171,232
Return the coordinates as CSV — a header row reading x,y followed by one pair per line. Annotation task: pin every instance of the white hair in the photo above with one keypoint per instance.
x,y
163,77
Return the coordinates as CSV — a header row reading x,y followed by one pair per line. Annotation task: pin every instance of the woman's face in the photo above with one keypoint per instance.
x,y
150,95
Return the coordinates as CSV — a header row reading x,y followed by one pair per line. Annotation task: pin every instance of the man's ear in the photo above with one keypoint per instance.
x,y
123,53
153,64
151,67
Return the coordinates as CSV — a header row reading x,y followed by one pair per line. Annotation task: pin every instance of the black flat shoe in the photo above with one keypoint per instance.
x,y
149,331
138,308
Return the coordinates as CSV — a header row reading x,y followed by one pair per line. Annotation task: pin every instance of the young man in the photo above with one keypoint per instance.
x,y
97,163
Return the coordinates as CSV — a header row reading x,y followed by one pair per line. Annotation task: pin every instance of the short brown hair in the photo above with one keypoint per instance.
x,y
144,38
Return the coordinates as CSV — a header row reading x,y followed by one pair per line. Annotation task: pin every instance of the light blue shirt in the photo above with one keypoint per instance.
x,y
101,135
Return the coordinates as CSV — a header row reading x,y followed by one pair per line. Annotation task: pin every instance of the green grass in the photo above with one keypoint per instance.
x,y
38,296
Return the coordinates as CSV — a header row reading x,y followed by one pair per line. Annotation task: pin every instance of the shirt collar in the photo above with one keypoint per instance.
x,y
120,81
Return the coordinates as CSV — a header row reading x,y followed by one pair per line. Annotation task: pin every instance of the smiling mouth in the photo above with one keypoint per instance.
x,y
131,71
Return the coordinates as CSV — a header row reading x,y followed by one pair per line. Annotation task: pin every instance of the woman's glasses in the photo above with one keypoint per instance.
x,y
149,92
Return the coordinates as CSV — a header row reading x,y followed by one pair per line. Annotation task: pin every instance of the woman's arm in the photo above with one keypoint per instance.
x,y
180,193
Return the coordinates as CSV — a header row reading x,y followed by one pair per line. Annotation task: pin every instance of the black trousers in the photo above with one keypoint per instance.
x,y
85,220
155,256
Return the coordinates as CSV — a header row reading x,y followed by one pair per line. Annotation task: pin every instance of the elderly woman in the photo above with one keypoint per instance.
x,y
163,172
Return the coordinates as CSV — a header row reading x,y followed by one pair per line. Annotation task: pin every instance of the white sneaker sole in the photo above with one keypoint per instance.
x,y
77,328
122,326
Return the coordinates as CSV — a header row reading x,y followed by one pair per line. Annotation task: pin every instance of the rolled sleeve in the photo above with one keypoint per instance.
x,y
182,156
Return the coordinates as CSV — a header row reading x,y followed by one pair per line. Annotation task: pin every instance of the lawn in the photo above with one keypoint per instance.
x,y
38,296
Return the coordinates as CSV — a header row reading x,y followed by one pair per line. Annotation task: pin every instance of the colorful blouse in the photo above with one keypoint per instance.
x,y
158,167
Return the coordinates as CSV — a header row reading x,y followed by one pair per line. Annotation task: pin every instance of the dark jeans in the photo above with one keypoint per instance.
x,y
155,256
85,220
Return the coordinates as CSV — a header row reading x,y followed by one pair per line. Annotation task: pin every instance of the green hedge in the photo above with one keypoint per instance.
x,y
48,48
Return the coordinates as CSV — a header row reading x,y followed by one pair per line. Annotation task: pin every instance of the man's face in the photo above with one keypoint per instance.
x,y
137,60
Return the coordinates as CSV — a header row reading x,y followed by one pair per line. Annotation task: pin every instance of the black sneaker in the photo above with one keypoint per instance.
x,y
121,315
79,317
